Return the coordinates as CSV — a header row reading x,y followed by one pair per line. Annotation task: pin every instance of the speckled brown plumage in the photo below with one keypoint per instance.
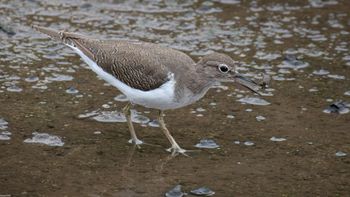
x,y
144,66
160,77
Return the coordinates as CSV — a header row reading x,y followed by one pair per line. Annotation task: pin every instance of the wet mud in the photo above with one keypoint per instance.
x,y
61,133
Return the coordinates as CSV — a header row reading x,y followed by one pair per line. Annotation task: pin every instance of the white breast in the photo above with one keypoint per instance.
x,y
161,98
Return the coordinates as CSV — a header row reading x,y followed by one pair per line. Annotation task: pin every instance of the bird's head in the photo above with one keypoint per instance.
x,y
221,68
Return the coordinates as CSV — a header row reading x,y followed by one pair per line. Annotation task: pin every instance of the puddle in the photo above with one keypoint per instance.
x,y
88,114
200,109
339,107
110,116
249,143
207,143
72,90
254,101
202,191
175,192
106,106
230,116
314,89
277,139
4,137
338,77
45,138
320,72
14,88
115,116
153,123
4,133
236,142
59,77
3,124
32,79
340,154
291,61
260,118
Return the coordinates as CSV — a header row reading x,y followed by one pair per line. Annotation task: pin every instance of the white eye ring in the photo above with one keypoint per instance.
x,y
223,68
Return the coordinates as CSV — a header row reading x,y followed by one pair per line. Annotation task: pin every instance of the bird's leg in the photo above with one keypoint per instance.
x,y
175,148
127,114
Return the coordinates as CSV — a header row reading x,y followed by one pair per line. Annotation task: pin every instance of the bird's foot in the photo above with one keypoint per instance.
x,y
136,142
175,150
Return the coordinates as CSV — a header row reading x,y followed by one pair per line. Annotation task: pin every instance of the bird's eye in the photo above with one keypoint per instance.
x,y
223,68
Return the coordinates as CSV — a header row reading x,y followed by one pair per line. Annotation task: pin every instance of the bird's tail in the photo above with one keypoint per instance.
x,y
73,40
54,34
62,36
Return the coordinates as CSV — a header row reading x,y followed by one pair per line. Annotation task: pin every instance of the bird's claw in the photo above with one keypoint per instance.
x,y
175,150
136,142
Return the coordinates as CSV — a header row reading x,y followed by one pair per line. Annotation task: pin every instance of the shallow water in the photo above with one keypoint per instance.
x,y
45,138
45,87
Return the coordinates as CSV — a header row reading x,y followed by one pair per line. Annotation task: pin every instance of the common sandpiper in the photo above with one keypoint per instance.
x,y
151,75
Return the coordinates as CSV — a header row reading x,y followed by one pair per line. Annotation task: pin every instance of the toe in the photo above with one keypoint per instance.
x,y
136,141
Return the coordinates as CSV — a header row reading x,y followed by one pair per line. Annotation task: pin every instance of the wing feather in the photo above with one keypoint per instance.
x,y
141,65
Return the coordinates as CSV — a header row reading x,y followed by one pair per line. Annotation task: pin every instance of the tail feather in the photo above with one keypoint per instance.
x,y
54,34
63,36
73,40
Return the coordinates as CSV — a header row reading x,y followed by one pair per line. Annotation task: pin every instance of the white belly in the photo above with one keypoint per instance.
x,y
161,98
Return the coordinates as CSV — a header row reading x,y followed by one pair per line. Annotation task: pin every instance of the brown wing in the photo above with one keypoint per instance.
x,y
130,63
141,65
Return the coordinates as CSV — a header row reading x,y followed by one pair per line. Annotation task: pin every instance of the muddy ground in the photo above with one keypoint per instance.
x,y
91,164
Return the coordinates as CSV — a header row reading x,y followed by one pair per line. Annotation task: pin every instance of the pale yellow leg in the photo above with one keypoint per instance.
x,y
127,113
175,148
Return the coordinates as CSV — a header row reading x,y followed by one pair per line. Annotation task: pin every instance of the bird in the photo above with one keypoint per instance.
x,y
152,75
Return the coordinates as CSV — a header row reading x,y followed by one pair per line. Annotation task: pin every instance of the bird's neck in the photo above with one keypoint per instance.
x,y
202,80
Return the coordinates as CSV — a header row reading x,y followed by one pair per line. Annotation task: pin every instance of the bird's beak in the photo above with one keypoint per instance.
x,y
248,83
